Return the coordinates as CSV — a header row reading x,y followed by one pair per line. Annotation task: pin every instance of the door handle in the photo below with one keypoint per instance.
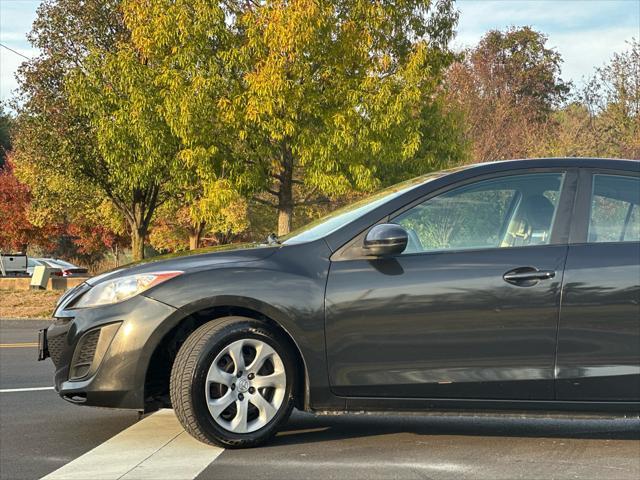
x,y
527,276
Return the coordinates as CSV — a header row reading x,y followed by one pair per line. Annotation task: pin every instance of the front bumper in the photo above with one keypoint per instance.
x,y
102,354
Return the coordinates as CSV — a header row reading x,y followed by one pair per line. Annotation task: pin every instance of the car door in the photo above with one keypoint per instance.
x,y
470,309
599,333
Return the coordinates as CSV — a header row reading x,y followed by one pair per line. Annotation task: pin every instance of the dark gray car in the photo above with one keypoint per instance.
x,y
510,285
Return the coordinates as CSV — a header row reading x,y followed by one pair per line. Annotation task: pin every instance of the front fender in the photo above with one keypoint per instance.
x,y
291,296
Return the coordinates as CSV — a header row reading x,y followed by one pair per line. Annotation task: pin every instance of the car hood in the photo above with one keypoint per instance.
x,y
193,260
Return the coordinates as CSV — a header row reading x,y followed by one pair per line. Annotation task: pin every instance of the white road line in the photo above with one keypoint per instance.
x,y
154,448
30,389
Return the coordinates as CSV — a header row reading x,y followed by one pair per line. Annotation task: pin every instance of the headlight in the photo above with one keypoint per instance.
x,y
119,289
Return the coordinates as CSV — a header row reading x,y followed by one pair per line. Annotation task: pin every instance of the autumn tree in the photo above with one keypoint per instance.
x,y
53,140
87,113
99,229
507,87
117,94
299,100
603,118
218,215
17,232
569,133
336,89
191,45
612,97
6,120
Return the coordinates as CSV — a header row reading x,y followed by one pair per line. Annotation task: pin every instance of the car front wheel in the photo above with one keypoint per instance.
x,y
232,383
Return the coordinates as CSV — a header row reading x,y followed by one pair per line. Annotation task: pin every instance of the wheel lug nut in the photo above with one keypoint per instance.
x,y
251,376
252,390
233,386
240,396
239,374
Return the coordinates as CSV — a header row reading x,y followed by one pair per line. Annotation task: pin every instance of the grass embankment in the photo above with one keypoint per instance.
x,y
28,303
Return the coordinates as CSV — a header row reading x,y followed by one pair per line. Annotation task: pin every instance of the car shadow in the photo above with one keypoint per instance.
x,y
308,428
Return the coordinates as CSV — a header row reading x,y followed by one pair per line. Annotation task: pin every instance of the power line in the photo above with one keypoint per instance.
x,y
12,50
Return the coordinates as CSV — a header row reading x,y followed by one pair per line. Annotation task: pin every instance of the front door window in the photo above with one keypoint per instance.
x,y
513,211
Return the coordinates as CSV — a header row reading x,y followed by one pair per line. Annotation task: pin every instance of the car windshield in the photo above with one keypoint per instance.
x,y
342,216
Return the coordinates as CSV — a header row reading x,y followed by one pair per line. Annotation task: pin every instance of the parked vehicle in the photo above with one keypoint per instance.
x,y
13,264
32,263
509,285
60,268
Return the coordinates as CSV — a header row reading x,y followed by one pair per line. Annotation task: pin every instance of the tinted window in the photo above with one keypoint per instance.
x,y
511,211
614,209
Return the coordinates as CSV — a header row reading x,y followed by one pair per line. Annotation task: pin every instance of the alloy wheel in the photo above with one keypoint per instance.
x,y
245,385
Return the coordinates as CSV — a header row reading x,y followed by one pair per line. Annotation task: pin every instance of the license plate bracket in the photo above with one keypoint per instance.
x,y
43,345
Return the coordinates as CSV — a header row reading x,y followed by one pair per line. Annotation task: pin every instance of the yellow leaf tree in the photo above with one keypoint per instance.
x,y
299,100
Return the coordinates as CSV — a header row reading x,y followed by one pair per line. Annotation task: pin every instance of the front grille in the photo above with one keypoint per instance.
x,y
84,354
56,347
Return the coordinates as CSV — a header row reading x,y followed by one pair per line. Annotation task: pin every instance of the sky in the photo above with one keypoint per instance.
x,y
585,32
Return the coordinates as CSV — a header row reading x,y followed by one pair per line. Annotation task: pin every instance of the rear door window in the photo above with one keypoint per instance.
x,y
615,205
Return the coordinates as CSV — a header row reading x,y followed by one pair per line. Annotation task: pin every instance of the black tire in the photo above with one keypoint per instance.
x,y
189,372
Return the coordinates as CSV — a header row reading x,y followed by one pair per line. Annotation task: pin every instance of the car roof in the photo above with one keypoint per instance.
x,y
575,162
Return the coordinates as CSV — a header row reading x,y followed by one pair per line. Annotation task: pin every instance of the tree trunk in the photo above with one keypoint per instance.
x,y
139,211
139,226
194,241
284,220
195,235
137,243
285,194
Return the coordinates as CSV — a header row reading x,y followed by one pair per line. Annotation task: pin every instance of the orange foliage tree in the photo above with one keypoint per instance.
x,y
17,233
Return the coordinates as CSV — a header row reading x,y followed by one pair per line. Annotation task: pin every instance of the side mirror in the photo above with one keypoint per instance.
x,y
386,239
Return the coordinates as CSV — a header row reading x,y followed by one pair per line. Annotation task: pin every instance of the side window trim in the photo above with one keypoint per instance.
x,y
561,227
627,219
582,210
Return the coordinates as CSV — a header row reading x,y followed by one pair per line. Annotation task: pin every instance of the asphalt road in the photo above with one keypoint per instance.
x,y
40,433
